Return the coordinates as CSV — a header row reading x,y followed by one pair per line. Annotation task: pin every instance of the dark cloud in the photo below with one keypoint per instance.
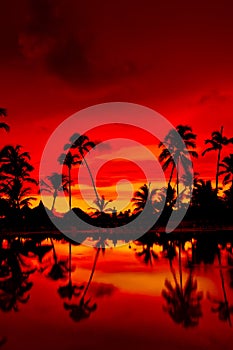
x,y
56,35
214,96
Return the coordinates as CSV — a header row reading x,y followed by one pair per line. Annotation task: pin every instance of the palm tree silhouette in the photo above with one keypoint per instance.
x,y
15,171
227,164
57,183
175,152
17,196
183,303
69,160
3,113
141,197
101,206
83,145
217,142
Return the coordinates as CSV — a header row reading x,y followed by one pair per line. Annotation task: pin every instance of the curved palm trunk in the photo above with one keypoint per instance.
x,y
54,200
70,195
92,180
171,175
218,162
91,275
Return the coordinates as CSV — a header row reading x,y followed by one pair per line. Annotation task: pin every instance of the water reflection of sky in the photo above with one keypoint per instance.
x,y
129,303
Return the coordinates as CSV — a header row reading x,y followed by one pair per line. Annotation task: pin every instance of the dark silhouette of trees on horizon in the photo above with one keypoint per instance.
x,y
16,181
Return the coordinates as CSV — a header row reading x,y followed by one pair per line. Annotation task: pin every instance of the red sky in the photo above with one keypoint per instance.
x,y
58,57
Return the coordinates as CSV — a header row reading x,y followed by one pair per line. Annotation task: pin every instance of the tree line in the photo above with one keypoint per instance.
x,y
176,157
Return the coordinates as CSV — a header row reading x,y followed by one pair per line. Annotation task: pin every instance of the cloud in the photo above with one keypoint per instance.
x,y
214,96
56,35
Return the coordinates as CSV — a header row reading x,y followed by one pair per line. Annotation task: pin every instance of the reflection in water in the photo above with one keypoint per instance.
x,y
70,289
183,303
14,283
83,308
127,278
221,306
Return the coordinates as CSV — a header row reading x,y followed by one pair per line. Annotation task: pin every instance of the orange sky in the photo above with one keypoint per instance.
x,y
58,57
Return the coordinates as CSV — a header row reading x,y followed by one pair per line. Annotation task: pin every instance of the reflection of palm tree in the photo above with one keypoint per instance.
x,y
59,268
70,289
83,309
222,306
69,160
175,152
147,254
217,142
183,303
14,284
3,113
58,183
83,145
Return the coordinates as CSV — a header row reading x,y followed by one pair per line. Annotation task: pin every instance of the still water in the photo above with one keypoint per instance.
x,y
57,295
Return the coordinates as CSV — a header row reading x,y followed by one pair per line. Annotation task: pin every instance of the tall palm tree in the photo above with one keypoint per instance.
x,y
227,164
69,160
3,113
217,142
174,152
57,183
83,145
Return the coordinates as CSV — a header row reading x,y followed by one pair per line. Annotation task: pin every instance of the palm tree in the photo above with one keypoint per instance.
x,y
101,206
15,164
15,170
227,164
17,196
83,145
3,113
141,197
69,160
57,183
175,152
217,142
